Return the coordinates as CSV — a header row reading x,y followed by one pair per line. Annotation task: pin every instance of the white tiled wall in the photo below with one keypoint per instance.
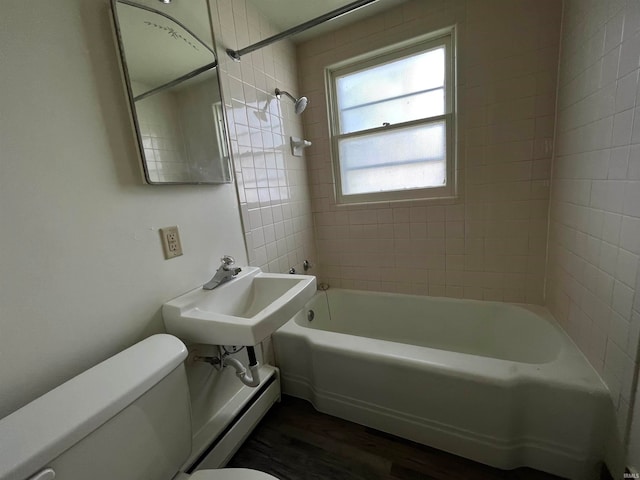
x,y
594,241
489,242
164,149
272,184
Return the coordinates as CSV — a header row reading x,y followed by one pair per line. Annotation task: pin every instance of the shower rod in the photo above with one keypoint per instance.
x,y
237,54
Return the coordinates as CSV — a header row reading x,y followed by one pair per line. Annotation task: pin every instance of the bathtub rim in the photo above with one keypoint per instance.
x,y
570,368
570,372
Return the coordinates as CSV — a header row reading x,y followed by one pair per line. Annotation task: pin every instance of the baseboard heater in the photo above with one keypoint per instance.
x,y
229,440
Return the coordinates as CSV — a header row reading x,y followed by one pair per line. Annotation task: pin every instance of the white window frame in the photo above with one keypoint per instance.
x,y
431,41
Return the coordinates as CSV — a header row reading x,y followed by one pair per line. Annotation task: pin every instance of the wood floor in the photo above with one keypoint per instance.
x,y
295,442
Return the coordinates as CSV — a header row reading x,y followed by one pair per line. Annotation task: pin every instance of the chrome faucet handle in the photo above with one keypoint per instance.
x,y
227,260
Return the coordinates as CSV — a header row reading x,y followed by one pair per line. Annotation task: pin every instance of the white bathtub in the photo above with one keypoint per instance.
x,y
498,383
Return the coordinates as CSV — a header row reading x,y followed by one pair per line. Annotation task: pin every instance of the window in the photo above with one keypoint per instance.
x,y
392,122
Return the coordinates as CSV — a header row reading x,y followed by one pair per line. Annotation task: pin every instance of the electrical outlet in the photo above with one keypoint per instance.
x,y
171,242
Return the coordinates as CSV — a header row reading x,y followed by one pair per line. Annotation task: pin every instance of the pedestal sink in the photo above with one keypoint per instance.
x,y
243,311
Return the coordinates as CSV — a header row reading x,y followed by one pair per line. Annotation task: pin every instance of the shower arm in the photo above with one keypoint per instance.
x,y
237,54
282,92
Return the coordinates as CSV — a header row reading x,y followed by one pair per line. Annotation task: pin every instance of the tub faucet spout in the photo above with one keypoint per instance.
x,y
225,272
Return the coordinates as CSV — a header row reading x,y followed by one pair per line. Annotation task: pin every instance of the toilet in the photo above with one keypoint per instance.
x,y
127,418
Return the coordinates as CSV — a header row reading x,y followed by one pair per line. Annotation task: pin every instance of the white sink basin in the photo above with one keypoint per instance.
x,y
243,311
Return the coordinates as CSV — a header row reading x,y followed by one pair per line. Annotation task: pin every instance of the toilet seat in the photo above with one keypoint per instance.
x,y
231,474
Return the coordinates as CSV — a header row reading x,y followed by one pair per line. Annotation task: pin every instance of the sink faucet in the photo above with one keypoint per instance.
x,y
225,272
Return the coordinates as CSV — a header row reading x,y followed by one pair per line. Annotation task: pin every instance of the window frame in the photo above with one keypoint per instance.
x,y
446,38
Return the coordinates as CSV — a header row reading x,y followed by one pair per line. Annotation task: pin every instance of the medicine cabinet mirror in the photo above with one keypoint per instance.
x,y
171,76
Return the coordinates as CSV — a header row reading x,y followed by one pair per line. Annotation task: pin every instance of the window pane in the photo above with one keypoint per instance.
x,y
401,159
395,110
400,79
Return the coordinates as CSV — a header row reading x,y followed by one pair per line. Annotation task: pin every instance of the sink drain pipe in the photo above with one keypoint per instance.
x,y
250,378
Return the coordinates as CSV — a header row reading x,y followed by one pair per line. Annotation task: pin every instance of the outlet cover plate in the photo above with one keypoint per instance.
x,y
171,244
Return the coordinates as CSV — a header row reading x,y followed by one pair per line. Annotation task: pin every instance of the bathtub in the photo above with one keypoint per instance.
x,y
497,383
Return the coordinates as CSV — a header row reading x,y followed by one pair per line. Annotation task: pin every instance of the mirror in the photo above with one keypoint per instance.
x,y
170,72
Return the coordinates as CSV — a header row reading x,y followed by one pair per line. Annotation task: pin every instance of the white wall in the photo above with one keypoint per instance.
x,y
81,268
594,241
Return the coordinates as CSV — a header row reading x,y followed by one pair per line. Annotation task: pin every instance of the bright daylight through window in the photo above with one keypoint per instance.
x,y
392,123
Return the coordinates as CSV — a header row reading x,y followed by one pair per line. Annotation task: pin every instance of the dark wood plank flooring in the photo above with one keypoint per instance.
x,y
295,442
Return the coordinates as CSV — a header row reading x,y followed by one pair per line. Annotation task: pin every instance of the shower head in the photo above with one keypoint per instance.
x,y
299,103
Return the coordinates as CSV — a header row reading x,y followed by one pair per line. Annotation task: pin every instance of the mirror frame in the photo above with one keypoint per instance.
x,y
226,162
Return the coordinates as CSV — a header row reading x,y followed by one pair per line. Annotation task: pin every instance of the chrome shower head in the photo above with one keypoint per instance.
x,y
299,103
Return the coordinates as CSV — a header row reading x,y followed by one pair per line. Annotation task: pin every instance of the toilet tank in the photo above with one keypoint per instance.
x,y
126,418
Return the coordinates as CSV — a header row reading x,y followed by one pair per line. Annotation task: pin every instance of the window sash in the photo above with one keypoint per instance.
x,y
407,94
434,105
395,126
444,191
444,38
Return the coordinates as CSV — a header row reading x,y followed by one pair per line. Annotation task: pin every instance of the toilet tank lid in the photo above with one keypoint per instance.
x,y
43,429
